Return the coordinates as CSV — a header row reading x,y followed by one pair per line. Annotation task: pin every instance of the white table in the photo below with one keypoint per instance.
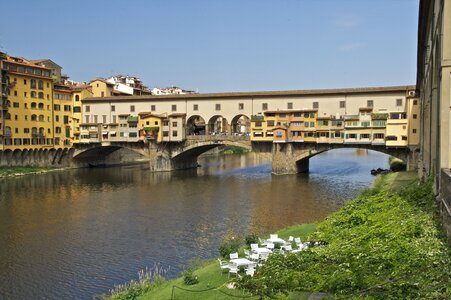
x,y
275,241
262,250
239,262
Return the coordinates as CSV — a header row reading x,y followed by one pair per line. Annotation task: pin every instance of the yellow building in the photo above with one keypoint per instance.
x,y
150,126
309,117
62,114
413,115
79,92
397,130
101,88
28,123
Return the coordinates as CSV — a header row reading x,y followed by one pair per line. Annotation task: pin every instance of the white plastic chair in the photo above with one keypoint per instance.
x,y
288,248
250,271
270,246
273,236
297,240
254,257
254,246
234,255
233,269
247,253
223,265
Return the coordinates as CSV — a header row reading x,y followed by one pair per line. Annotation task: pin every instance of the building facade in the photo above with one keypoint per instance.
x,y
434,85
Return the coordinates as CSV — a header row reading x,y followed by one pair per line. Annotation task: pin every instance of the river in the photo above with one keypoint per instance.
x,y
75,234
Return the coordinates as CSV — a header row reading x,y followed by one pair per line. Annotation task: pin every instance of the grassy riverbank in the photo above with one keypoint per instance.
x,y
25,170
385,244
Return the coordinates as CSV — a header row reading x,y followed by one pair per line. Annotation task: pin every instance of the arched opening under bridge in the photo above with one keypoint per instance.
x,y
218,125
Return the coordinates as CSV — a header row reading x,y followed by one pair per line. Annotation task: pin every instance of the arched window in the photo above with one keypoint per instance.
x,y
34,118
8,116
40,85
34,131
33,105
41,118
41,95
33,83
8,131
41,131
77,98
41,106
33,94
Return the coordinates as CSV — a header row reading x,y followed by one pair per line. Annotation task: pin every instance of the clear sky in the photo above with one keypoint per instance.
x,y
220,45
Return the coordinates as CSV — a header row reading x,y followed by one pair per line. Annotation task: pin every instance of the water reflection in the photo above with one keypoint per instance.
x,y
73,234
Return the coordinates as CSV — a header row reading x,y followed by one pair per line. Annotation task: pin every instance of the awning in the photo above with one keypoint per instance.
x,y
112,132
104,132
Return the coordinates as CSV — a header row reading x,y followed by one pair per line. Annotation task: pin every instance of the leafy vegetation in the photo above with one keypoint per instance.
x,y
23,170
228,247
251,239
396,165
234,150
147,281
376,246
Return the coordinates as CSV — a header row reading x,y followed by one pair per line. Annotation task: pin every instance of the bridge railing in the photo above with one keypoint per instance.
x,y
231,138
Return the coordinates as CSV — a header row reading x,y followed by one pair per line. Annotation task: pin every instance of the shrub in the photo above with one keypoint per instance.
x,y
397,165
251,239
228,247
189,278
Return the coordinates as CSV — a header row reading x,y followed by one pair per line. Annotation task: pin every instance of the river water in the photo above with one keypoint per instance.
x,y
75,234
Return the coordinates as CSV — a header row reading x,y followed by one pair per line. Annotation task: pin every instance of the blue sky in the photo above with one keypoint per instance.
x,y
221,45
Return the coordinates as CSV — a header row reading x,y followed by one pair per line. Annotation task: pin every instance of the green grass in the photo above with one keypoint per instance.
x,y
377,244
12,171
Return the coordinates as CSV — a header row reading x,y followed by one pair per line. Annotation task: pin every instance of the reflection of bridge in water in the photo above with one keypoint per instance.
x,y
287,158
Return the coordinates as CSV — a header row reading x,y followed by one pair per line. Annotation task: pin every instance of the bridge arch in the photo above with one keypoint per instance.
x,y
241,125
195,125
218,125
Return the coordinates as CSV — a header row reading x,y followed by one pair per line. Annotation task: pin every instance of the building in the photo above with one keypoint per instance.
x,y
62,114
173,90
128,85
28,121
102,88
434,86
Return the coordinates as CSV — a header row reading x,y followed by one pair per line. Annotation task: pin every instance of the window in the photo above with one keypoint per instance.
x,y
15,104
414,130
113,108
174,133
33,105
297,115
195,107
56,107
366,124
114,119
290,105
41,105
57,118
398,102
95,119
240,106
41,95
165,133
41,118
270,123
364,136
87,108
174,124
86,119
77,98
152,108
415,102
103,119
40,85
132,108
174,107
414,116
218,107
379,123
312,124
25,81
264,106
315,105
25,94
342,104
33,94
33,83
26,130
15,93
133,134
165,123
102,94
77,109
369,103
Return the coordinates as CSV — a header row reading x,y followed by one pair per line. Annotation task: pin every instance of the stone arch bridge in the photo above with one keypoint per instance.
x,y
287,158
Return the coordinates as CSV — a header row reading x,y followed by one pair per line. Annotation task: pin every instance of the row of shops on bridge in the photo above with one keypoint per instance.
x,y
392,129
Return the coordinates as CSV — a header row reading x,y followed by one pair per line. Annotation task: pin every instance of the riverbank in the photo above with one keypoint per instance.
x,y
25,170
376,245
